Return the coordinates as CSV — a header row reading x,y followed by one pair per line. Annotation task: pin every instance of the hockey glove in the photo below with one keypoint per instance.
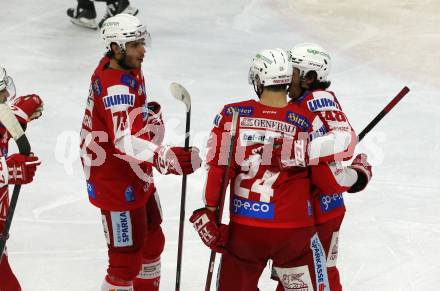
x,y
212,235
177,160
363,169
154,123
289,153
21,168
27,108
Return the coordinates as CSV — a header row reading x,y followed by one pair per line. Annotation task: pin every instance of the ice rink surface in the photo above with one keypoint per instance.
x,y
390,239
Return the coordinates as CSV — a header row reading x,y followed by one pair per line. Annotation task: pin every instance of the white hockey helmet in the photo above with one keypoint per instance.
x,y
6,82
272,68
310,57
123,28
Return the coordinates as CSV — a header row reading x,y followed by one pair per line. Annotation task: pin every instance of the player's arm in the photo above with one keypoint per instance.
x,y
204,219
27,108
334,139
123,121
336,178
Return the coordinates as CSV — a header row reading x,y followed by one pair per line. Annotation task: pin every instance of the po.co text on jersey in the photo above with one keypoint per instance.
x,y
254,209
119,99
268,124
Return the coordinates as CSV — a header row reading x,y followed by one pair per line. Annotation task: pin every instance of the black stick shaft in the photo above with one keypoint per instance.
x,y
224,186
384,112
182,208
25,149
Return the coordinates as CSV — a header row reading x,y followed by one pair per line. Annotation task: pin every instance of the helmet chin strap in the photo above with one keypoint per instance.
x,y
258,92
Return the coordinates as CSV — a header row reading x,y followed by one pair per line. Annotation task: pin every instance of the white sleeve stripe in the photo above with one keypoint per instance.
x,y
344,176
333,143
137,148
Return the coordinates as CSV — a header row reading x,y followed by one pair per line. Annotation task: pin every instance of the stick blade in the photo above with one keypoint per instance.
x,y
180,93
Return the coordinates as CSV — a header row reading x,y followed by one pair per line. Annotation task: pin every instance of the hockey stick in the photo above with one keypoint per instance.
x,y
180,93
384,112
8,119
224,186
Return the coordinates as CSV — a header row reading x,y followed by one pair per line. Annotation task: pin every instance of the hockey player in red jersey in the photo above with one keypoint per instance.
x,y
16,168
267,219
337,140
118,156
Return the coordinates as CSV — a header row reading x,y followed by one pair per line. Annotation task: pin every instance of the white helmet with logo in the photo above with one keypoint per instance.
x,y
6,82
272,67
123,28
310,57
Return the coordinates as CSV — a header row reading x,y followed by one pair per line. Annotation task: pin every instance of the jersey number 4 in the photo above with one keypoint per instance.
x,y
262,185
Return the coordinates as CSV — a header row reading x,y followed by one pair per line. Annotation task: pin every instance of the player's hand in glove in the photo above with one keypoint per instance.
x,y
289,153
27,108
177,160
21,168
363,168
212,235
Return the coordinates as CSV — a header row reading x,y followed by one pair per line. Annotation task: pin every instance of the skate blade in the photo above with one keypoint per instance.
x,y
90,24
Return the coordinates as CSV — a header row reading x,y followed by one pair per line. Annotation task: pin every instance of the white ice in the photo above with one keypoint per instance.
x,y
390,240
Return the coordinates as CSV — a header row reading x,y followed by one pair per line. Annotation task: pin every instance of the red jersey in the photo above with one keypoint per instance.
x,y
116,158
260,195
333,135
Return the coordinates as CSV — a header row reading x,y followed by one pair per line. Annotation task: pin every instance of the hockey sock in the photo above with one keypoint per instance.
x,y
110,284
149,276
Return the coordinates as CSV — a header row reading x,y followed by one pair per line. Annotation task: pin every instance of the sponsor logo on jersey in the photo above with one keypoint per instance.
x,y
332,256
317,133
97,87
253,209
129,194
268,124
298,120
119,99
250,137
122,229
242,110
91,190
269,112
130,81
217,120
320,264
322,104
330,201
296,278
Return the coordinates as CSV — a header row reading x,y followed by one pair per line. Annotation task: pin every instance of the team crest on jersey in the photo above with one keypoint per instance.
x,y
298,120
217,120
130,81
242,110
97,87
119,99
323,104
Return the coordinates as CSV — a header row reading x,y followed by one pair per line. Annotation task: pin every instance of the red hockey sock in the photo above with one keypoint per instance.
x,y
8,281
149,276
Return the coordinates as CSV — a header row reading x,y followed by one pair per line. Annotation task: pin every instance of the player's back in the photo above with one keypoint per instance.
x,y
261,195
